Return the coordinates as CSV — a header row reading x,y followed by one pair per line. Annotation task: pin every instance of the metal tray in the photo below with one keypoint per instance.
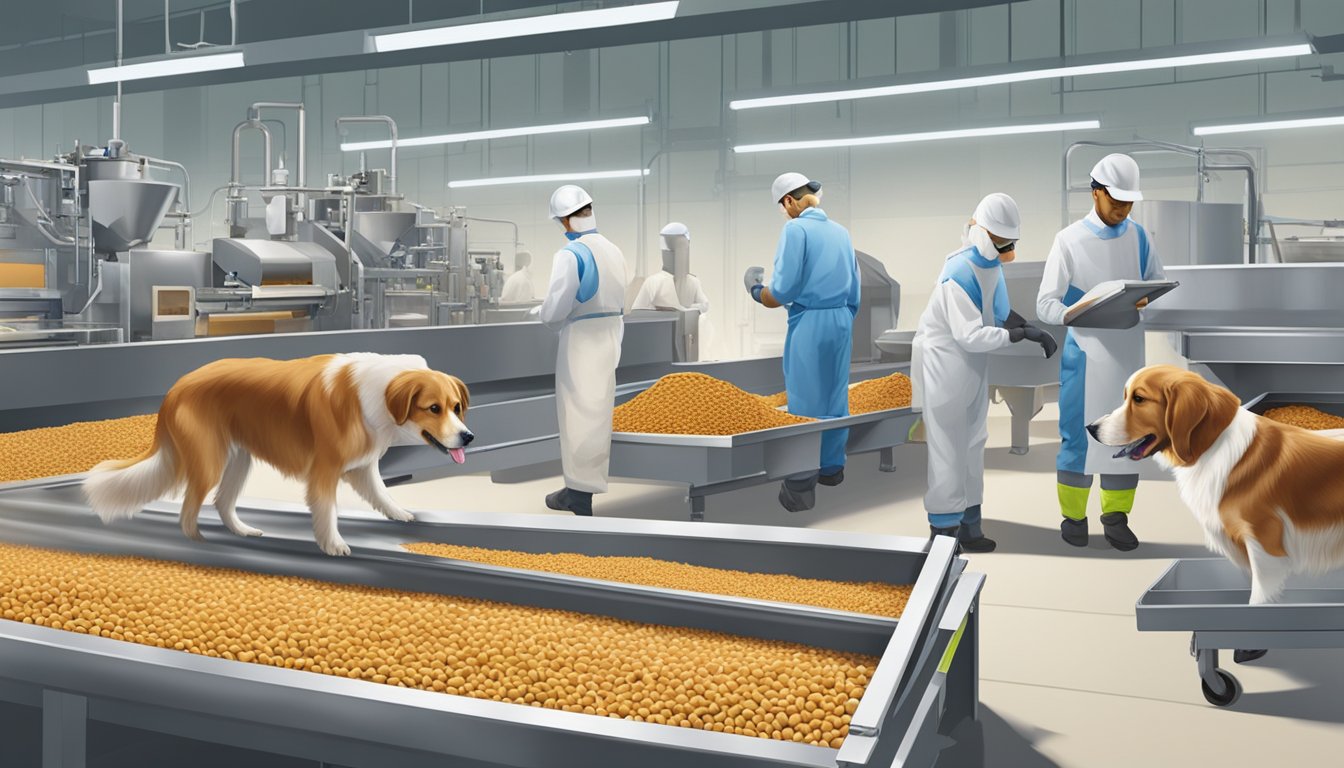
x,y
362,723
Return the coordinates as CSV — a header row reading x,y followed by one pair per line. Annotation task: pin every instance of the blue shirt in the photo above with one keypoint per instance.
x,y
815,266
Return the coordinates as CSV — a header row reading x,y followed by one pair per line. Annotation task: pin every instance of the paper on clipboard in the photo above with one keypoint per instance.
x,y
1110,304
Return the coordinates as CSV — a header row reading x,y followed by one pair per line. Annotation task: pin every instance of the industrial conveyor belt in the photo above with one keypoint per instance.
x,y
1209,597
75,678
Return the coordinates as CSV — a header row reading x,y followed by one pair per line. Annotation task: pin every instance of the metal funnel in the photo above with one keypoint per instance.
x,y
126,212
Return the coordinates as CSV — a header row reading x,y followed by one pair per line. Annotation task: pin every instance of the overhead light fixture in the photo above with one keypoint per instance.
x,y
175,65
1104,68
501,133
905,138
1269,125
583,176
576,21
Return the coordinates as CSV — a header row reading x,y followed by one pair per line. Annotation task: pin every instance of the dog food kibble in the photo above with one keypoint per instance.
x,y
528,656
697,404
1305,416
73,448
881,394
873,598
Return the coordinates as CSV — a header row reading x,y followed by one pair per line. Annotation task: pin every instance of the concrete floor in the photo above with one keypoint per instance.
x,y
1067,680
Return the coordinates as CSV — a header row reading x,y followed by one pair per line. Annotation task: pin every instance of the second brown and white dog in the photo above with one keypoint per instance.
x,y
317,419
1269,496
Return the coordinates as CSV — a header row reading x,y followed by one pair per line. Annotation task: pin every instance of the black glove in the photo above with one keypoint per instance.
x,y
1032,333
1014,321
1046,341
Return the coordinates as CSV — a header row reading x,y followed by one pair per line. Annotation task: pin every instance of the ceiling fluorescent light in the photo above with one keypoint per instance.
x,y
1166,62
905,138
176,65
1269,125
577,21
626,174
501,133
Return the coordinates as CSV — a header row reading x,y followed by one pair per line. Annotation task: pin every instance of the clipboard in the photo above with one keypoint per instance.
x,y
1111,305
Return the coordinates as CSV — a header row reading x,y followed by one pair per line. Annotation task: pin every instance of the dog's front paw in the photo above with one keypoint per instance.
x,y
336,547
398,514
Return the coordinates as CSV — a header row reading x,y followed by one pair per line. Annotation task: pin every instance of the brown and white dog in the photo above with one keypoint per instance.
x,y
318,419
1269,496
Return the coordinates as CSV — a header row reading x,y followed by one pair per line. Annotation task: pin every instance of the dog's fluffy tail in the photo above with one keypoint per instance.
x,y
119,488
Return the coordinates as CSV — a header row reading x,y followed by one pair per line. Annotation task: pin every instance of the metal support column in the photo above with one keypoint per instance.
x,y
65,718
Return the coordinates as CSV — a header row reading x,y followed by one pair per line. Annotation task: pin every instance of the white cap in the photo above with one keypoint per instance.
x,y
998,214
568,199
1120,175
788,182
676,228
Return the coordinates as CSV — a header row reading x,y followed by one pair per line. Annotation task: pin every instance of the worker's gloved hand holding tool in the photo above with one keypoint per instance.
x,y
754,280
1032,333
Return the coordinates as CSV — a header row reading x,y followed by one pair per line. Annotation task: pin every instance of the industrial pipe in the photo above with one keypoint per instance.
x,y
392,129
236,179
183,200
254,113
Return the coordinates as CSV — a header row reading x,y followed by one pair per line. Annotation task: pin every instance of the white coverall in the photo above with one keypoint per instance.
x,y
956,332
590,349
518,288
660,291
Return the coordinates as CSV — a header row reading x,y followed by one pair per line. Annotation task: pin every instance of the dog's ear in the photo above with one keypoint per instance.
x,y
401,394
463,395
1197,413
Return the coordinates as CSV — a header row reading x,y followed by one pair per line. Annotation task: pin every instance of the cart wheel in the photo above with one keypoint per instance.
x,y
1231,690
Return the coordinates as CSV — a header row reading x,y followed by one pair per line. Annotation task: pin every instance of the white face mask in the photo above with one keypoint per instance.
x,y
583,224
979,237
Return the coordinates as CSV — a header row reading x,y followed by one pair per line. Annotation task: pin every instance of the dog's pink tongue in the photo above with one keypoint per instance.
x,y
459,455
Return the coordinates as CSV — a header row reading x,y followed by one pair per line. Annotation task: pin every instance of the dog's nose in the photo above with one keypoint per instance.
x,y
466,438
1093,428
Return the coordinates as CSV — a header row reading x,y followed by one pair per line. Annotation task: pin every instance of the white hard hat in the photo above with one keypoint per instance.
x,y
676,228
568,199
1120,175
998,214
788,182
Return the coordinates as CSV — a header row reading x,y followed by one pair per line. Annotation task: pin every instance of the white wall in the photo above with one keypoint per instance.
x,y
904,204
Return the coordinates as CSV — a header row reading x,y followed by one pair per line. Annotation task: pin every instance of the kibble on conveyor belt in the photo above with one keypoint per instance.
x,y
536,657
875,598
882,394
73,448
1305,416
697,404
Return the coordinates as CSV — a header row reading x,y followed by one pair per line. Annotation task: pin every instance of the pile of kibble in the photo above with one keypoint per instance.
x,y
1305,416
73,448
881,394
871,597
697,404
485,650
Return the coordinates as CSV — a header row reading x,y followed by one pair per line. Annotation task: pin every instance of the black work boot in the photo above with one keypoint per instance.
x,y
798,495
1116,527
1241,656
567,500
833,480
973,539
967,540
1074,531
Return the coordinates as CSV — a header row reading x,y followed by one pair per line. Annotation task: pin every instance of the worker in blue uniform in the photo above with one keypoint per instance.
x,y
816,276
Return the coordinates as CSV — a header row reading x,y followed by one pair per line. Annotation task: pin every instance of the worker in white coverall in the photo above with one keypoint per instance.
x,y
676,288
518,288
968,317
1103,246
585,302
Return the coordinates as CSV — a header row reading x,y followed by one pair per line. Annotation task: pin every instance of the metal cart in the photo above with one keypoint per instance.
x,y
924,683
1208,597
